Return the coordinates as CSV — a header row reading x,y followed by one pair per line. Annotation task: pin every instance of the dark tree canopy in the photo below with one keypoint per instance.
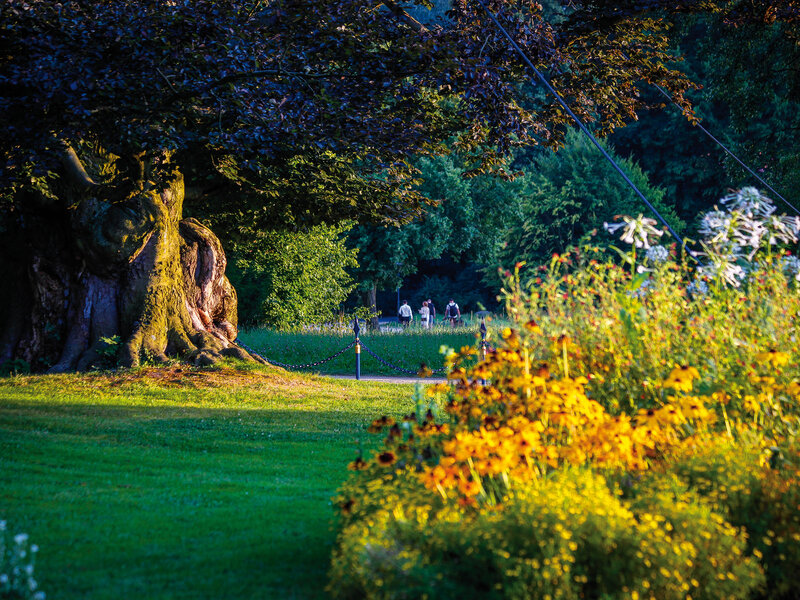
x,y
250,93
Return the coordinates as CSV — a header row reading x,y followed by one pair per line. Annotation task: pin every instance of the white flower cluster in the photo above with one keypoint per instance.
x,y
657,254
16,567
731,237
723,268
640,232
749,222
698,287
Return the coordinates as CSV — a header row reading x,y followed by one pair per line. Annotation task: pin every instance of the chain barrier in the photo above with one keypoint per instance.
x,y
297,367
331,357
395,367
358,343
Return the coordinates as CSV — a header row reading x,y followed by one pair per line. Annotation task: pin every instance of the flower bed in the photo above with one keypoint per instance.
x,y
629,437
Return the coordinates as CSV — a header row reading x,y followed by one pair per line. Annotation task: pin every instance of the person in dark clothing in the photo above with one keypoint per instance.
x,y
452,312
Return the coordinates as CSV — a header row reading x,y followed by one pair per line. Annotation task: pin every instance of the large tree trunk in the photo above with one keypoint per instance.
x,y
93,266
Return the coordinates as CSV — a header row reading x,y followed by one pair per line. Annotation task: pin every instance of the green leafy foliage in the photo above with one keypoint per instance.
x,y
244,92
762,501
289,278
464,228
568,537
568,194
749,101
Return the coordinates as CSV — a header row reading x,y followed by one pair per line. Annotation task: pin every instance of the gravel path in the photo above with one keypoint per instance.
x,y
389,379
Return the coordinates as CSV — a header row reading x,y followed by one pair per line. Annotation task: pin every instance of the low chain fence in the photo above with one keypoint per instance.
x,y
358,344
386,363
238,342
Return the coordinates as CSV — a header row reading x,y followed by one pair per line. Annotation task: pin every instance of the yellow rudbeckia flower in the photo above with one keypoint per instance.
x,y
681,378
773,356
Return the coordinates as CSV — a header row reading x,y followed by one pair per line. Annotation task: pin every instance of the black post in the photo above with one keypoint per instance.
x,y
483,339
399,285
356,330
483,344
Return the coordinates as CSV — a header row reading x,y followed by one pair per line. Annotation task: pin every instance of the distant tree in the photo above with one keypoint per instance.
x,y
752,77
289,278
388,254
466,224
750,100
570,193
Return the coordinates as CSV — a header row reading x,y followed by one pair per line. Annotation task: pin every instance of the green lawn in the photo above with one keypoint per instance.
x,y
407,349
179,483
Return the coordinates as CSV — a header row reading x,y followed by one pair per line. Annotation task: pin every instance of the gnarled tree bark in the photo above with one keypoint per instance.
x,y
85,261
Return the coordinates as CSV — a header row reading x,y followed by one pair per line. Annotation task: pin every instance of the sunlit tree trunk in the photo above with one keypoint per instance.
x,y
87,262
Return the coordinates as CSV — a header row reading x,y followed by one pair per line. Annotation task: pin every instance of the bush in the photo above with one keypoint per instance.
x,y
566,537
756,489
290,278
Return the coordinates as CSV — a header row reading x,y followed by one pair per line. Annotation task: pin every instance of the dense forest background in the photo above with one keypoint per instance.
x,y
749,87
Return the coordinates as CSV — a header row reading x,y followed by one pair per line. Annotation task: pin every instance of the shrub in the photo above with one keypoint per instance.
x,y
630,435
506,498
288,278
754,488
566,537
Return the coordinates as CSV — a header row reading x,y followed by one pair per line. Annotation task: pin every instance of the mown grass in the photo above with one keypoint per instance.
x,y
407,349
181,483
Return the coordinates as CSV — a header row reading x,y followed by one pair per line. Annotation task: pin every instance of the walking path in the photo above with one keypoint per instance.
x,y
389,379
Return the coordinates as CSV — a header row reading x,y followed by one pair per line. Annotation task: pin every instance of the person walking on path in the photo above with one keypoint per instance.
x,y
405,314
452,312
432,308
424,315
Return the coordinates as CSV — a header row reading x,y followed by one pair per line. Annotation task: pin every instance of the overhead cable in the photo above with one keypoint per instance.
x,y
580,124
726,149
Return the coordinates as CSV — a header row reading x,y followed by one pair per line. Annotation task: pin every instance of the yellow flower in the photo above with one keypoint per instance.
x,y
378,424
357,464
347,506
469,487
647,417
511,337
681,378
533,327
694,408
773,356
794,388
751,404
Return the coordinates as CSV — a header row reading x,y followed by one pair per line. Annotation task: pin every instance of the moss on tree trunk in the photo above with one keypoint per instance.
x,y
87,261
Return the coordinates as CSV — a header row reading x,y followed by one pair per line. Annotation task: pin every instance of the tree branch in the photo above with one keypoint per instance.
x,y
399,12
74,168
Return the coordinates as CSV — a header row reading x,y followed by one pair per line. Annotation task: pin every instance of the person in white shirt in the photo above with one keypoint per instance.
x,y
405,314
425,315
